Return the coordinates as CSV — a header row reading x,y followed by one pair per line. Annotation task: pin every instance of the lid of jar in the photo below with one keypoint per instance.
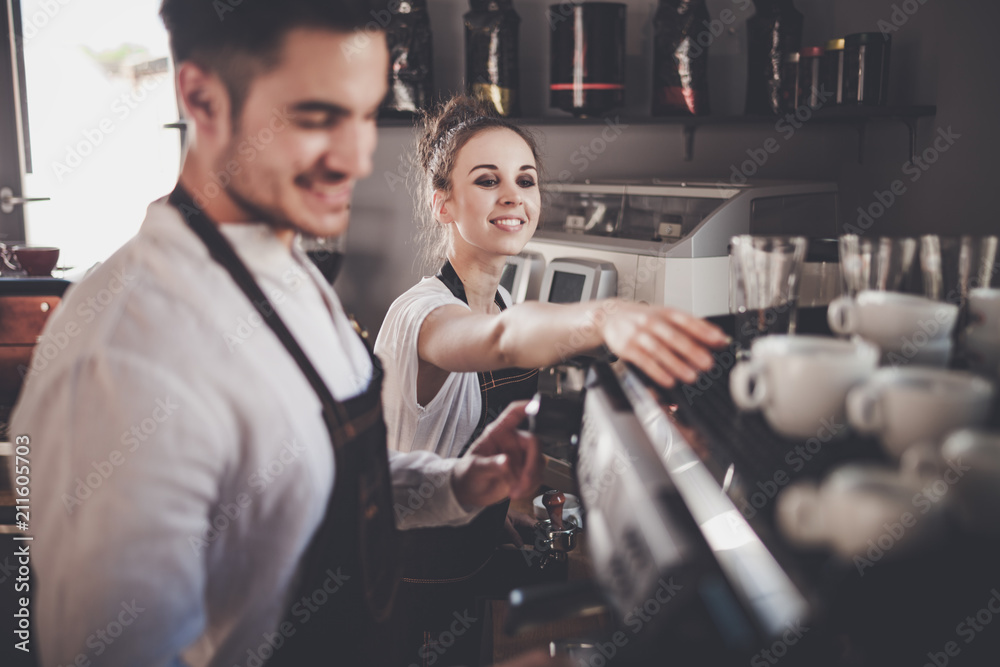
x,y
866,38
490,5
835,44
812,52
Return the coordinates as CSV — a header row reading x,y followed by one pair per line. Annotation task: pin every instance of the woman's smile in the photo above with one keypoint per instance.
x,y
509,224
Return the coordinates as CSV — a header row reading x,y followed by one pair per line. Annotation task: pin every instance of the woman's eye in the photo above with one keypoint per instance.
x,y
526,183
486,182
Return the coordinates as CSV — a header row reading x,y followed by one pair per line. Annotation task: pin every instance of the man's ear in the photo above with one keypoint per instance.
x,y
205,100
440,207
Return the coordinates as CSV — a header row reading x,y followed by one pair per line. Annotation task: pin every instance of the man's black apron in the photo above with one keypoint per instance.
x,y
349,574
447,569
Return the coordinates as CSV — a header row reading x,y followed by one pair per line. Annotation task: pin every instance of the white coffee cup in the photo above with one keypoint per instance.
x,y
904,326
858,509
984,309
904,406
800,382
572,511
982,352
935,353
982,334
972,458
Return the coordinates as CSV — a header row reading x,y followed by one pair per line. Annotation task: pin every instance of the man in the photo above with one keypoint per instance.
x,y
184,479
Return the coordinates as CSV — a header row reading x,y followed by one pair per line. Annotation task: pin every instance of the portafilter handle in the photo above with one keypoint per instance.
x,y
553,501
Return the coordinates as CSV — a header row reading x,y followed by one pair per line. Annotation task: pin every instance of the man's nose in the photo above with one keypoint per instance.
x,y
351,148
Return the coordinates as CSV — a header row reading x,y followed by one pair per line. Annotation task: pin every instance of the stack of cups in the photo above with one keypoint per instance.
x,y
954,267
764,277
915,399
981,338
879,303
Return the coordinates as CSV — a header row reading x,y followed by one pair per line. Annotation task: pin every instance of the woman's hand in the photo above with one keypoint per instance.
x,y
519,527
665,343
503,462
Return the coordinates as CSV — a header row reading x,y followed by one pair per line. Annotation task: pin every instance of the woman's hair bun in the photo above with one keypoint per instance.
x,y
442,122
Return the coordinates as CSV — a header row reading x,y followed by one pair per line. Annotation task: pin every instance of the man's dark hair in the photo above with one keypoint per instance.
x,y
241,39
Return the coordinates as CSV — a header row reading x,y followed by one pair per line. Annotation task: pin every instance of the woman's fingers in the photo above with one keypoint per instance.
x,y
660,364
513,537
669,345
697,328
680,343
530,471
502,462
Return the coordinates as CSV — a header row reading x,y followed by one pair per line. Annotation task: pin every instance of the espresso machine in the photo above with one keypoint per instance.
x,y
668,241
679,493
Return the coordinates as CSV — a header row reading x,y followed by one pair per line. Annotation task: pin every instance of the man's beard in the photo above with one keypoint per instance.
x,y
258,213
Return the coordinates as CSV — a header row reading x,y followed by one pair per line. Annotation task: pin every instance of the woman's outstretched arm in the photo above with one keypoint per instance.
x,y
667,344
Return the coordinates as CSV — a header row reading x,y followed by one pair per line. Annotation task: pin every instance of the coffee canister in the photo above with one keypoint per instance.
x,y
866,68
773,32
588,57
832,77
411,60
787,95
491,43
810,62
680,58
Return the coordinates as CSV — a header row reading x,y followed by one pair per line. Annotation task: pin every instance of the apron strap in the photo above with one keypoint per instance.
x,y
222,252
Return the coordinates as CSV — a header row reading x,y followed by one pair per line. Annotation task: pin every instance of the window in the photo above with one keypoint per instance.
x,y
99,88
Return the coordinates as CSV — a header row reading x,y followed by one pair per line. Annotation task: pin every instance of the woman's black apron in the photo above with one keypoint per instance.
x,y
350,571
448,569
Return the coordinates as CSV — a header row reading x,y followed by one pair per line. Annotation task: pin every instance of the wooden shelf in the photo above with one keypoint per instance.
x,y
858,116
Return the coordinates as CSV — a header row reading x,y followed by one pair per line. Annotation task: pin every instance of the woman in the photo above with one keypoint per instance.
x,y
456,352
480,178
